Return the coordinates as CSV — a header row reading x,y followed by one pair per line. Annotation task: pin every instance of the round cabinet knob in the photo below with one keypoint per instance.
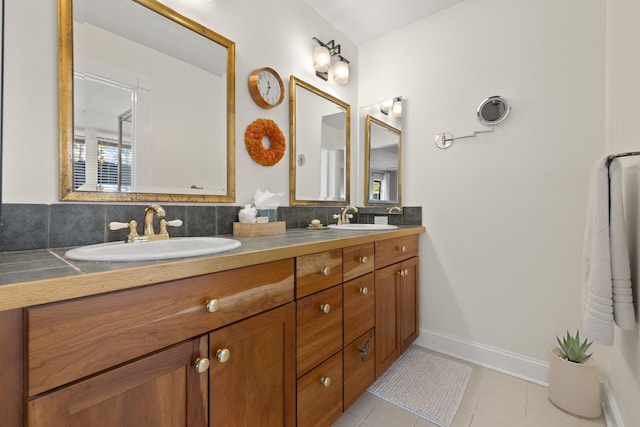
x,y
403,249
326,381
401,273
325,308
406,272
325,271
202,364
223,355
363,260
212,305
364,291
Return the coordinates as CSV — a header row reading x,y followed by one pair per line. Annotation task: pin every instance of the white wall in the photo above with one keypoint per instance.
x,y
623,93
504,212
278,36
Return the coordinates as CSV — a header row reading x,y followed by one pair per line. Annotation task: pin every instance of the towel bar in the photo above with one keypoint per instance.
x,y
628,153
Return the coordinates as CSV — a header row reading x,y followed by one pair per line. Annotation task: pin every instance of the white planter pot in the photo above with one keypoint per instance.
x,y
574,387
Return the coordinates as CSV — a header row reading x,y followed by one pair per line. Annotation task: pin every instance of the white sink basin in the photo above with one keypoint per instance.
x,y
362,227
176,247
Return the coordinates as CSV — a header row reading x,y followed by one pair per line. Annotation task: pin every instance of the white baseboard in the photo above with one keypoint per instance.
x,y
609,407
526,368
516,365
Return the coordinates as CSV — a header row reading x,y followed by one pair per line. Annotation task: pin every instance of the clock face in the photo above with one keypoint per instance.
x,y
266,87
269,87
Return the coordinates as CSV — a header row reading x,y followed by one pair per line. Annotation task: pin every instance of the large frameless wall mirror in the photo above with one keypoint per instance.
x,y
383,152
147,104
320,146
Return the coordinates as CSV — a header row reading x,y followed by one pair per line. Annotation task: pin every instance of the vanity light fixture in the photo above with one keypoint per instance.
x,y
322,55
393,105
386,106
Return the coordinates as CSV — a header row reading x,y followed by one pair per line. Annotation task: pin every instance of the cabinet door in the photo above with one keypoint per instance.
x,y
163,389
408,299
252,375
387,326
397,323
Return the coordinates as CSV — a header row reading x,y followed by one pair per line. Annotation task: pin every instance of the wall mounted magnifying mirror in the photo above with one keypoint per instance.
x,y
147,104
319,146
492,111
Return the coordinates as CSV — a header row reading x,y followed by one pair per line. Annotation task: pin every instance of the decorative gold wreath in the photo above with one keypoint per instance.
x,y
253,140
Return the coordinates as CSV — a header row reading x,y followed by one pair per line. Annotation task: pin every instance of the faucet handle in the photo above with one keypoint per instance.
x,y
118,225
174,223
164,223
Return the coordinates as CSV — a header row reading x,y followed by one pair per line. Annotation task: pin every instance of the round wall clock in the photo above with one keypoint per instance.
x,y
266,88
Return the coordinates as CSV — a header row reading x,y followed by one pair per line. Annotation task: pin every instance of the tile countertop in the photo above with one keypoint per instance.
x,y
42,276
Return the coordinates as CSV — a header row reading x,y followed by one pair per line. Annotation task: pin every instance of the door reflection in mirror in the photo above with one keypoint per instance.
x,y
103,139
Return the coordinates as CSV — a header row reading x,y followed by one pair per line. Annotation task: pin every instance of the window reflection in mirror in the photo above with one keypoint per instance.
x,y
383,154
147,111
319,134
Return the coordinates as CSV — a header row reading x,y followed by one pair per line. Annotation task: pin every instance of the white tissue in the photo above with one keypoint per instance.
x,y
267,200
248,214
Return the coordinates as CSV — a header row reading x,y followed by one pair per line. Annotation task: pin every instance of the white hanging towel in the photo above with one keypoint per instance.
x,y
623,313
605,263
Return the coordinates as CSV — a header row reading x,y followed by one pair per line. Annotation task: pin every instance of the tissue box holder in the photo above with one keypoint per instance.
x,y
263,229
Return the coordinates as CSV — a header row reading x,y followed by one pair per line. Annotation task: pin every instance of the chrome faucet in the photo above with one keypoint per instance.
x,y
344,215
148,231
394,210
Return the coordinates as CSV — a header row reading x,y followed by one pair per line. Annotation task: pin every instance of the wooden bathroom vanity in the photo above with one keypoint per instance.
x,y
277,335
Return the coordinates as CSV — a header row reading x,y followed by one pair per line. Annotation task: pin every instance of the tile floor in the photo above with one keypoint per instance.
x,y
492,399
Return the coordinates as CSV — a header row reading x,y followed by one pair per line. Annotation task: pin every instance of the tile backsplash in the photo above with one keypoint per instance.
x,y
40,226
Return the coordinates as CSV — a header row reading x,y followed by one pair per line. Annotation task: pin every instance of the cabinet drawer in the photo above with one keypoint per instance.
x,y
319,271
357,260
359,309
69,340
359,367
397,249
319,400
319,333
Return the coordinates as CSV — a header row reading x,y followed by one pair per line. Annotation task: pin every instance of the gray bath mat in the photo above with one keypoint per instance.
x,y
425,384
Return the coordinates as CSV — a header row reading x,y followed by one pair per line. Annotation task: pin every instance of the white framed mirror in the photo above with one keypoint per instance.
x,y
147,104
319,150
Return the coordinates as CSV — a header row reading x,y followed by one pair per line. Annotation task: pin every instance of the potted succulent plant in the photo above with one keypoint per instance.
x,y
574,384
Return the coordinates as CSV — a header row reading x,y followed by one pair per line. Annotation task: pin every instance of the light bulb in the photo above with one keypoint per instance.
x,y
341,72
321,59
386,106
397,109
